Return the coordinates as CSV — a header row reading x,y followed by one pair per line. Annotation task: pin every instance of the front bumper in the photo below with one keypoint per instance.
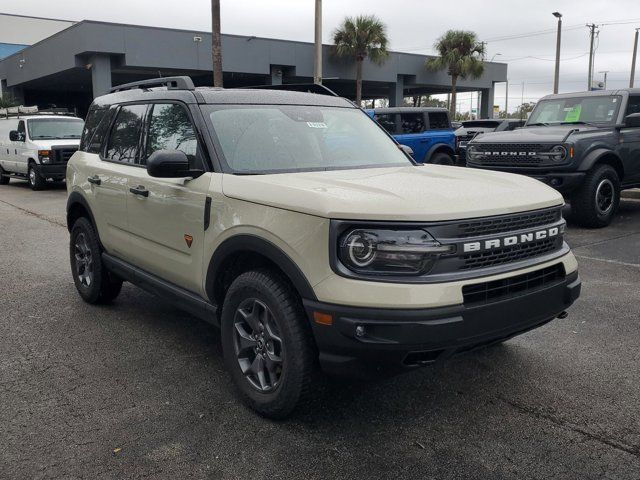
x,y
393,340
55,171
565,183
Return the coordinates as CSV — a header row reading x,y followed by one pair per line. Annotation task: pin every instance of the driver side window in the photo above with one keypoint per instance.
x,y
633,106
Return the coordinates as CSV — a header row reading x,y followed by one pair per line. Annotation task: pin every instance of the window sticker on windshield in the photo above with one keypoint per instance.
x,y
573,115
317,124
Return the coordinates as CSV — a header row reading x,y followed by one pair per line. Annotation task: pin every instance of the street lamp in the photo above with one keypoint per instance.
x,y
556,78
494,57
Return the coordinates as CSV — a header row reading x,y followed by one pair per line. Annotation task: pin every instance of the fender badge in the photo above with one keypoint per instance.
x,y
188,239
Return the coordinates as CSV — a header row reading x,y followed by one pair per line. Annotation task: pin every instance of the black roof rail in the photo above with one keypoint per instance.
x,y
299,87
172,83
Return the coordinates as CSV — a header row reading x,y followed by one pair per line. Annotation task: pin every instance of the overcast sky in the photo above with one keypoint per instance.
x,y
413,25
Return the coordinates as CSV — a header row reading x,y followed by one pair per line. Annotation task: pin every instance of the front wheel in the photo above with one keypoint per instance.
x,y
597,200
36,181
267,343
94,282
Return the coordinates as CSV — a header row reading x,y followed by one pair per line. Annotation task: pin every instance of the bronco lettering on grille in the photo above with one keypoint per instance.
x,y
510,240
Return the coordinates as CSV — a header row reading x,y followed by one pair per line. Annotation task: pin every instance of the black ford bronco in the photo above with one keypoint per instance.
x,y
586,145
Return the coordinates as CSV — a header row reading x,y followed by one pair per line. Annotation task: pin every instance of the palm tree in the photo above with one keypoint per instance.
x,y
461,55
358,38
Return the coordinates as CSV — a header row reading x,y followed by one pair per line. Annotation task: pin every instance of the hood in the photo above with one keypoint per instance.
x,y
412,193
59,142
552,133
471,130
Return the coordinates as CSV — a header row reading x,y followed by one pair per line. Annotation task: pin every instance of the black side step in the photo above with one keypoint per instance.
x,y
181,298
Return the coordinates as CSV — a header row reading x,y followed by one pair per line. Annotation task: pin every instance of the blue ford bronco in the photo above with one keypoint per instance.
x,y
426,130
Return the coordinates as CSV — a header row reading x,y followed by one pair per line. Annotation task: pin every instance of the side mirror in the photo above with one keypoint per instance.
x,y
406,149
632,120
170,164
16,136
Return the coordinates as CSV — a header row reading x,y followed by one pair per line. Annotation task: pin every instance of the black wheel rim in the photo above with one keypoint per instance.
x,y
604,196
84,261
258,345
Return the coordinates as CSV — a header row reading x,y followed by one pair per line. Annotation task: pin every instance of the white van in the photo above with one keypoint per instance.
x,y
36,146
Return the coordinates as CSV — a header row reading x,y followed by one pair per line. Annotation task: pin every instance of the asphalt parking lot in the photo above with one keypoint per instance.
x,y
137,389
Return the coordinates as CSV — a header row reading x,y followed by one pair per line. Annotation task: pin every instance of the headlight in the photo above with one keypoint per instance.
x,y
472,152
558,153
389,252
44,157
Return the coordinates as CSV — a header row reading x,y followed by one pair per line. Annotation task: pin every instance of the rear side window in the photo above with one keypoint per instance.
x,y
170,128
634,105
94,117
412,122
439,121
387,121
125,134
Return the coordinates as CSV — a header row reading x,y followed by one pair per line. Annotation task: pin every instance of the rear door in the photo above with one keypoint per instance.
x,y
110,173
166,223
7,157
630,144
412,133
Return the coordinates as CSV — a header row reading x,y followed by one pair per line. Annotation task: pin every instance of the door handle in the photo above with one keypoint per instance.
x,y
94,180
139,190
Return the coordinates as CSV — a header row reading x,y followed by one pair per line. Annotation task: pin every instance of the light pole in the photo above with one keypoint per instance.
x,y
317,62
494,57
556,77
633,60
605,77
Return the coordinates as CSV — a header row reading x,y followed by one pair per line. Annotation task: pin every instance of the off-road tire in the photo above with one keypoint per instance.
x,y
585,208
441,158
104,287
299,356
36,181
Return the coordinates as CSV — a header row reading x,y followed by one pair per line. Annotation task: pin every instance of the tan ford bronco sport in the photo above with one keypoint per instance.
x,y
297,224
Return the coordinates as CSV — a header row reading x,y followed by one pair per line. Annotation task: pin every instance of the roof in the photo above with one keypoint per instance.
x,y
226,96
409,109
594,93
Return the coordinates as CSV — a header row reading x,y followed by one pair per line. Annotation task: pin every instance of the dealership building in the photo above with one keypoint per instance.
x,y
63,63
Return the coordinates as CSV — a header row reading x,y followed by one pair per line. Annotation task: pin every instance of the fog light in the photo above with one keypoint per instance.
x,y
556,182
359,331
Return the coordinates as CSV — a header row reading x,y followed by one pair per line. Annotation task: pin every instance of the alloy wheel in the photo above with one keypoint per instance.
x,y
604,196
84,260
32,176
258,345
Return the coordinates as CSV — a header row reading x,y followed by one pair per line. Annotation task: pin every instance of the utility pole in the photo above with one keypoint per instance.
x,y
633,60
506,99
216,43
605,77
592,34
556,77
317,65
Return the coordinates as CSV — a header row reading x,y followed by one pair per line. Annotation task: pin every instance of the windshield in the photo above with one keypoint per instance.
x,y
54,128
289,138
599,109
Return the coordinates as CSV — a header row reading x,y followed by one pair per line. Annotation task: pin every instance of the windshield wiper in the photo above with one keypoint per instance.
x,y
580,122
538,124
43,137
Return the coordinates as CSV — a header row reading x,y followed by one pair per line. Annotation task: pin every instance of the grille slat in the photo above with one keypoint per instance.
x,y
497,289
516,154
509,254
62,155
509,223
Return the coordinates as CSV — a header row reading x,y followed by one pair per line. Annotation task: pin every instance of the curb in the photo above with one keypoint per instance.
x,y
633,193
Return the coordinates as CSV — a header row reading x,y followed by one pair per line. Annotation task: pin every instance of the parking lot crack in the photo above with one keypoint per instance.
x,y
606,440
35,214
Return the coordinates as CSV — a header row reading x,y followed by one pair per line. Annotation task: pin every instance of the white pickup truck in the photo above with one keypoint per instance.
x,y
36,146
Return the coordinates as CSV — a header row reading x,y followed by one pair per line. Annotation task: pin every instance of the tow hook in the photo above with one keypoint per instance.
x,y
562,315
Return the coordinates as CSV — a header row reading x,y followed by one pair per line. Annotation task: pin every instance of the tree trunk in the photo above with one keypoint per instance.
x,y
452,107
216,47
358,80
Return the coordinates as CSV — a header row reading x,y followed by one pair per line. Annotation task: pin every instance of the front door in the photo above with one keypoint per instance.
x,y
20,150
166,216
630,144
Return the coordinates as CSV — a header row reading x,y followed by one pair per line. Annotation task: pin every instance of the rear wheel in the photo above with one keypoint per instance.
x,y
36,181
4,177
441,158
94,282
267,343
597,200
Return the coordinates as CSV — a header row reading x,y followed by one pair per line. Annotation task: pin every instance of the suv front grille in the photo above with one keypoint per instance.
x,y
497,289
509,154
509,223
509,254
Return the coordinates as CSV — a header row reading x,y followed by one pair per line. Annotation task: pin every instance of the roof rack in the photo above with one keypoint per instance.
x,y
22,111
172,83
299,87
